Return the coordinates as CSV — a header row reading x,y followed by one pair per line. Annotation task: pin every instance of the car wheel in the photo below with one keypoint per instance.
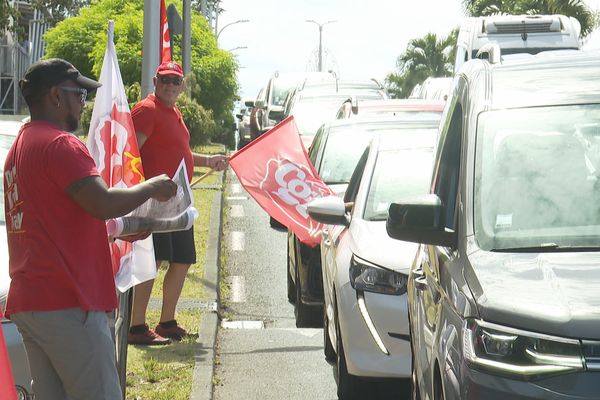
x,y
328,349
302,312
347,385
291,289
415,391
438,391
276,224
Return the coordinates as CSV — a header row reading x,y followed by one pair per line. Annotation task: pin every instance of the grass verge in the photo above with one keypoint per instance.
x,y
165,372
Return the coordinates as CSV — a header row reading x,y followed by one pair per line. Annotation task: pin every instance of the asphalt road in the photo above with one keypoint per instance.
x,y
267,357
260,352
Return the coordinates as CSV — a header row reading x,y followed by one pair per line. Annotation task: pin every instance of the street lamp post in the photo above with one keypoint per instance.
x,y
239,21
320,40
237,48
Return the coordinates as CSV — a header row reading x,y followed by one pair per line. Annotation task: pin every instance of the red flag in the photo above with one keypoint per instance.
x,y
277,173
165,38
113,145
7,382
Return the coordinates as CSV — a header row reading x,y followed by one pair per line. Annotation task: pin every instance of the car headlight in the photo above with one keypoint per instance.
x,y
518,354
368,277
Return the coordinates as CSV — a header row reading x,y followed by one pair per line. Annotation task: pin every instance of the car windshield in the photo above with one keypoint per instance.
x,y
342,150
310,115
397,174
280,91
5,143
537,178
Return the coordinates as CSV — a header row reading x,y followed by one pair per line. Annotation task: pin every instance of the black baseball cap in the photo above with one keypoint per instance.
x,y
44,74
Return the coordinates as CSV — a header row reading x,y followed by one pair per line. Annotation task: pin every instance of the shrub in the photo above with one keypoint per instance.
x,y
198,120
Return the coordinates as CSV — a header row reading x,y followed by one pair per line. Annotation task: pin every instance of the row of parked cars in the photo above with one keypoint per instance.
x,y
461,251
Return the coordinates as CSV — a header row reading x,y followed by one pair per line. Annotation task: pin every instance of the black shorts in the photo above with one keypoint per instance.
x,y
177,247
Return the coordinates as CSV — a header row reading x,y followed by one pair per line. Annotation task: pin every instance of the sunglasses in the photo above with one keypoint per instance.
x,y
82,92
175,80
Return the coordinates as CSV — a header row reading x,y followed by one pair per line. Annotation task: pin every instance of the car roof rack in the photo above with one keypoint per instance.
x,y
491,52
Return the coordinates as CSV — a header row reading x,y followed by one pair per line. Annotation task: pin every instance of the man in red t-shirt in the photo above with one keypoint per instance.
x,y
62,282
164,141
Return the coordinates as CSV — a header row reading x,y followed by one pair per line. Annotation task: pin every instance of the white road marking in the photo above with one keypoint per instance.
x,y
238,289
308,332
237,241
242,324
237,211
236,188
233,198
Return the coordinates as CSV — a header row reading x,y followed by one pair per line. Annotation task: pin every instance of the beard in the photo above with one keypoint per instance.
x,y
72,123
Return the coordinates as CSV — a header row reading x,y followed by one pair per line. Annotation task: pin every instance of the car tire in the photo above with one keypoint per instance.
x,y
276,224
328,350
348,386
302,312
291,287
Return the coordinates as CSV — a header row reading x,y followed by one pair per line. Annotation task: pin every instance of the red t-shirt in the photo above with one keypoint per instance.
x,y
58,253
168,138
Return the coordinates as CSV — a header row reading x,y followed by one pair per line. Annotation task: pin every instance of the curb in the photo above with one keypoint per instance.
x,y
202,381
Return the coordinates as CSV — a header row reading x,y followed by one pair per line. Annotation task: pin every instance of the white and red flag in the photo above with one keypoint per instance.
x,y
276,172
165,38
113,145
7,383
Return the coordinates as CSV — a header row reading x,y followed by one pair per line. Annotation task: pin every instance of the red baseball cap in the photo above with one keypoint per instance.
x,y
169,68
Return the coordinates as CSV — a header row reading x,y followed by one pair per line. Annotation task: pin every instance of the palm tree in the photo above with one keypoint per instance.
x,y
424,57
570,8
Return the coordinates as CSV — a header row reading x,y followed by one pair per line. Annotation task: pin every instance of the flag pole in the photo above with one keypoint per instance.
x,y
201,178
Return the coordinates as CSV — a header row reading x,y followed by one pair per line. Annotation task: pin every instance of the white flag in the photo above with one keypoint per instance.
x,y
113,145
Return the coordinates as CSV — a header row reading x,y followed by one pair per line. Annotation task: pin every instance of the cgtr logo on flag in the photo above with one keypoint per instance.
x,y
276,172
294,185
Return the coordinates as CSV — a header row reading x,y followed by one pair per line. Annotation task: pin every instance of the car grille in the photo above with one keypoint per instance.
x,y
591,353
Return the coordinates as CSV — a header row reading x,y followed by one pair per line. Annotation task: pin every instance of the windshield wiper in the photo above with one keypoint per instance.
x,y
545,247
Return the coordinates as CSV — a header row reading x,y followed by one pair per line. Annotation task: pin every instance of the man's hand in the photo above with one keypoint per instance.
x,y
217,162
163,187
137,236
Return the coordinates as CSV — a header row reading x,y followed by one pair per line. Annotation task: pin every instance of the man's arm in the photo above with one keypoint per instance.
x,y
92,194
217,162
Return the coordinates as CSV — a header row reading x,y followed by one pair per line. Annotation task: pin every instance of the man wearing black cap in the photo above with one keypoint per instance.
x,y
62,282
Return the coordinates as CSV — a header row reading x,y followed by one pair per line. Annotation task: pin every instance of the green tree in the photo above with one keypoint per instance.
x,y
7,14
572,8
423,57
54,11
82,40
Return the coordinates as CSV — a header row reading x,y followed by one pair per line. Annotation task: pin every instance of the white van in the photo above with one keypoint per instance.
x,y
516,34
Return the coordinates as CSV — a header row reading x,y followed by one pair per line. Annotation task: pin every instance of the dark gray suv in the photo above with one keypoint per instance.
x,y
504,292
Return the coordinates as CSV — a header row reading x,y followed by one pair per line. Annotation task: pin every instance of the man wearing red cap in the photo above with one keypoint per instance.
x,y
164,140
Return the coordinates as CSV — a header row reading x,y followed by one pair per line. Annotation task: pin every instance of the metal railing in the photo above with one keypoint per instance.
x,y
15,61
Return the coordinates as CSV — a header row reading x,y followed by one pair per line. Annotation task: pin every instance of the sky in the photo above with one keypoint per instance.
x,y
363,42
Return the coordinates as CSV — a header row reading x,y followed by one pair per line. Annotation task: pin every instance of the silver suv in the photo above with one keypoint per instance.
x,y
504,291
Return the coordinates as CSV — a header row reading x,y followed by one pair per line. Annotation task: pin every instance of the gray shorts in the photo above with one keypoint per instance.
x,y
71,354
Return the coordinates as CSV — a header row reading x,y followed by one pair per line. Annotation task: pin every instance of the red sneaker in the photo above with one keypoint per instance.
x,y
148,338
175,332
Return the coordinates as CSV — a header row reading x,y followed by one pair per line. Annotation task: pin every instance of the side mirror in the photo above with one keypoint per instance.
x,y
420,221
328,210
249,103
276,115
239,116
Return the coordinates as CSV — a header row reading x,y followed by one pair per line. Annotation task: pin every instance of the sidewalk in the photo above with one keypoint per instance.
x,y
202,385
